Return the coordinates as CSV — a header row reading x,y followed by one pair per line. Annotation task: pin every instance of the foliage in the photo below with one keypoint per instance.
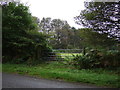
x,y
80,62
21,40
97,59
45,25
94,39
102,17
61,35
111,58
60,71
101,22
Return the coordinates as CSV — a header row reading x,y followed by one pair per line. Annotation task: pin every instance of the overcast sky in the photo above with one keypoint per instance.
x,y
56,9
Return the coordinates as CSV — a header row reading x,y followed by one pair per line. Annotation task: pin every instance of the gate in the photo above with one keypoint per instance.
x,y
61,54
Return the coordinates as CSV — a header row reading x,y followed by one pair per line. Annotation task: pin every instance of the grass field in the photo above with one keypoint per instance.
x,y
68,55
57,70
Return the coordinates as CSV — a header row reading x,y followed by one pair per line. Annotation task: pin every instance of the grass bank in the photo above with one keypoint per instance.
x,y
57,70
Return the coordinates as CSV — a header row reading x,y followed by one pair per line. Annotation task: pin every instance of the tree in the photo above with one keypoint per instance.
x,y
45,25
61,29
95,40
21,38
61,35
57,30
73,38
15,24
102,17
36,22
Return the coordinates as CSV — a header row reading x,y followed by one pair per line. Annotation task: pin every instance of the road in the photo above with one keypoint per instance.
x,y
20,81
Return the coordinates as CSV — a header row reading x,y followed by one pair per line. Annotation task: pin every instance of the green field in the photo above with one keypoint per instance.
x,y
68,55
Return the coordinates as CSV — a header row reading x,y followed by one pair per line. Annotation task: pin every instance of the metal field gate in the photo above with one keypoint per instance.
x,y
61,54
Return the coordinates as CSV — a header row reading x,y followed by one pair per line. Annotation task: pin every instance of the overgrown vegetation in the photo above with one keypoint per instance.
x,y
97,59
101,17
27,41
101,35
22,43
58,70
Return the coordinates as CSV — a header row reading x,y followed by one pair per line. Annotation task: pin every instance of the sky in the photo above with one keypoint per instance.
x,y
56,9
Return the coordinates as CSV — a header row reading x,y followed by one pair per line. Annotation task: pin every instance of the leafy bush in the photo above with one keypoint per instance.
x,y
22,43
81,62
111,58
97,59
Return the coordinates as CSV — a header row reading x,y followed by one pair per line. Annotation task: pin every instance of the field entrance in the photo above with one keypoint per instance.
x,y
66,53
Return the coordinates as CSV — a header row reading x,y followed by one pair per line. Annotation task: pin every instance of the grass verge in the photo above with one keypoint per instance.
x,y
57,70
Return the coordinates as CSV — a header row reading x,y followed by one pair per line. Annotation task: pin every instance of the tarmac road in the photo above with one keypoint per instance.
x,y
20,81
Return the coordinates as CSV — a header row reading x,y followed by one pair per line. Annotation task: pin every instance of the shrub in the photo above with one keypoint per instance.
x,y
22,42
81,62
97,59
111,58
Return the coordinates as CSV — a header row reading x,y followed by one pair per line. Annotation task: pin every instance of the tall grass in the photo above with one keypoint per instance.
x,y
57,70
